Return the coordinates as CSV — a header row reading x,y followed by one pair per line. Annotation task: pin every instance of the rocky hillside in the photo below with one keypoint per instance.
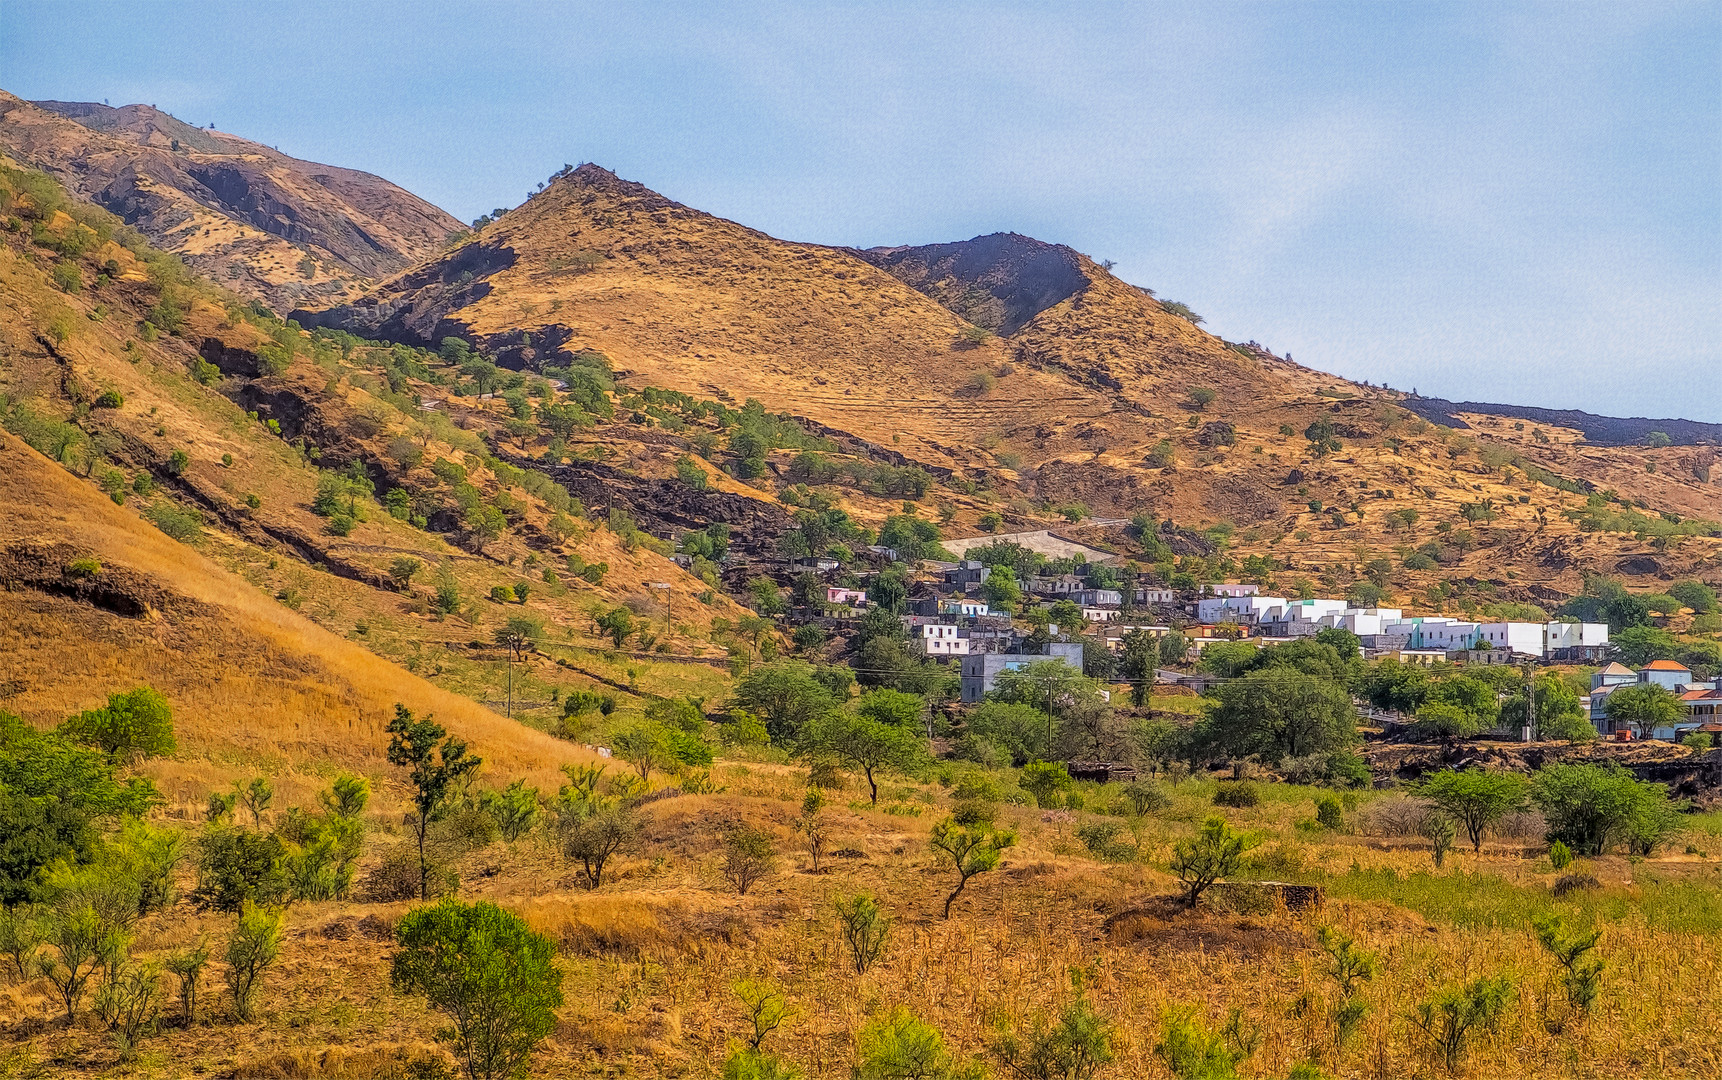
x,y
1029,373
261,223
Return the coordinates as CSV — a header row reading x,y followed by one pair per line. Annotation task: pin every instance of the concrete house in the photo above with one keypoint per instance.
x,y
855,597
1055,585
1152,595
966,574
981,671
938,639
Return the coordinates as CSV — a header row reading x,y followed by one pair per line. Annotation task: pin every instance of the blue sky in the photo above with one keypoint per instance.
x,y
1503,202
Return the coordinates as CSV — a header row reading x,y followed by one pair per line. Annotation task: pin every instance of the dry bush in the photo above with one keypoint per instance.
x,y
396,877
1522,825
1396,815
628,927
383,1063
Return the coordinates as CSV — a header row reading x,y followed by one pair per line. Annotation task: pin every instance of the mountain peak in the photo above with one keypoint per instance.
x,y
998,281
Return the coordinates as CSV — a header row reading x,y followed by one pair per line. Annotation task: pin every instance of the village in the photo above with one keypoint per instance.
x,y
952,615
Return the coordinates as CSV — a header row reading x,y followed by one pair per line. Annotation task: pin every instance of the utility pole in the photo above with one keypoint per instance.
x,y
668,593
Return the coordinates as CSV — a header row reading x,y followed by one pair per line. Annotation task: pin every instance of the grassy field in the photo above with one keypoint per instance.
x,y
649,959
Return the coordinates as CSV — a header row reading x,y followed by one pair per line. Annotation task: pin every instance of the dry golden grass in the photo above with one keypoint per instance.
x,y
649,959
253,684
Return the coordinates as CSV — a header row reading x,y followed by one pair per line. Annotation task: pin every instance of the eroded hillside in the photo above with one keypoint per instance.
x,y
261,223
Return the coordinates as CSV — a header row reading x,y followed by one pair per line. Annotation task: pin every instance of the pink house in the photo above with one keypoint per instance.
x,y
835,595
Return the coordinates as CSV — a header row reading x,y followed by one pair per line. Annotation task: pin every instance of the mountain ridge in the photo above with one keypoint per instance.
x,y
268,225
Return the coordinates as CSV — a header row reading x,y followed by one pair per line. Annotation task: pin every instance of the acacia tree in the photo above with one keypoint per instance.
x,y
494,977
971,851
869,745
1280,712
436,772
1647,706
1474,799
1209,856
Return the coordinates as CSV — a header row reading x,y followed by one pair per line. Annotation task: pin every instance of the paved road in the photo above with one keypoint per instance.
x,y
1041,540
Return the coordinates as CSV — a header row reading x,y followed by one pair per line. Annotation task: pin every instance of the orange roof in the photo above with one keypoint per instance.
x,y
1665,665
1696,695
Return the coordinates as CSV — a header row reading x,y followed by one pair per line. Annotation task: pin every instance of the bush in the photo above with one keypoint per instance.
x,y
1560,855
396,877
236,867
1451,1017
184,525
895,1045
749,854
1328,812
1101,840
494,977
866,929
252,950
1237,794
138,721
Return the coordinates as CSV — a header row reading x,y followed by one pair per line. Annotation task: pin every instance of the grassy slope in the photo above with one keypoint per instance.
x,y
166,410
254,685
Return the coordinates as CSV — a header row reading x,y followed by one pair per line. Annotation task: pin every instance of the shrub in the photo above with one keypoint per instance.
x,y
1210,856
1075,1047
1044,780
1580,978
749,854
866,929
236,867
1451,1017
184,525
896,1045
1237,794
1191,1052
1328,812
108,399
252,950
494,977
1560,855
1101,840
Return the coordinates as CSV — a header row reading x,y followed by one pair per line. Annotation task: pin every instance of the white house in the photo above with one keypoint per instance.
x,y
1231,590
1237,609
937,639
1156,596
965,608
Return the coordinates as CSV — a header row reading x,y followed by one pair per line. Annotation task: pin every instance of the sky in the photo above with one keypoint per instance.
x,y
1502,202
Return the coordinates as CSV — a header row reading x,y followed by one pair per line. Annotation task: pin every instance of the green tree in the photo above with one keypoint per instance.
x,y
1581,978
53,794
1591,808
138,721
617,623
1001,591
1045,781
1211,855
1645,706
871,745
892,707
1474,799
435,773
493,976
786,695
1280,712
1139,658
971,851
1696,595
